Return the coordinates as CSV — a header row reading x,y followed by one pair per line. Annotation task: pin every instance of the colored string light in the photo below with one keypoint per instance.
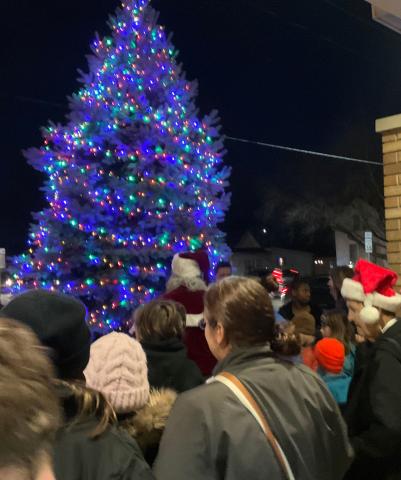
x,y
134,176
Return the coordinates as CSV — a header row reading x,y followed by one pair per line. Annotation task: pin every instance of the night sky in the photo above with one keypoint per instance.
x,y
313,74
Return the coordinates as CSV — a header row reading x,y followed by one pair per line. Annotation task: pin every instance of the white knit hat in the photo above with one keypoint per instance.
x,y
117,368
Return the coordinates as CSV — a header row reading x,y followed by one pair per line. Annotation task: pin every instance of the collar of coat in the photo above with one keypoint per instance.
x,y
239,356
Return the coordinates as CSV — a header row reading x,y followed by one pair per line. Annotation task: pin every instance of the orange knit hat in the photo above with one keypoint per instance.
x,y
330,354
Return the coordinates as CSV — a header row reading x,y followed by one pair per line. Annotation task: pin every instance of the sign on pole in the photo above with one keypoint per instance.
x,y
368,242
2,258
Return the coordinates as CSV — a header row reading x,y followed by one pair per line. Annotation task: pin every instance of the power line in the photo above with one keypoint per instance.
x,y
236,139
38,101
300,150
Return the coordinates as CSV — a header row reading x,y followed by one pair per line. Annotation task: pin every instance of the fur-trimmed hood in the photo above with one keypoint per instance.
x,y
148,423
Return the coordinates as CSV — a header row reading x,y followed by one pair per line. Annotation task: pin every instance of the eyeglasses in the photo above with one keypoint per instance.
x,y
202,324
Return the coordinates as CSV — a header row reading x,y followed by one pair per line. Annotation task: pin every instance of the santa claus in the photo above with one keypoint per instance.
x,y
187,285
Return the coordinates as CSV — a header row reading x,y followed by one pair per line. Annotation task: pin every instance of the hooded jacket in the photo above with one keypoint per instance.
x,y
194,338
146,426
210,435
373,412
113,455
169,366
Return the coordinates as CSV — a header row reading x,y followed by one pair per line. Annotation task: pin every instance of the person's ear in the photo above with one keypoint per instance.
x,y
220,335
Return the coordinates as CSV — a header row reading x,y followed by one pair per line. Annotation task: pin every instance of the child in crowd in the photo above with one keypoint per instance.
x,y
335,325
330,354
160,327
87,445
304,325
186,285
117,368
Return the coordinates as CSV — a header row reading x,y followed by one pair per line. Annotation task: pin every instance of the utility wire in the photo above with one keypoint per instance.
x,y
236,139
300,150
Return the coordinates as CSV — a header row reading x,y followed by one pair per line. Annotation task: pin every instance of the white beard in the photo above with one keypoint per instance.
x,y
192,284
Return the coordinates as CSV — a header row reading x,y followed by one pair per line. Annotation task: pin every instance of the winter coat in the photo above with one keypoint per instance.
x,y
210,435
169,366
194,338
338,384
146,426
349,362
373,412
113,455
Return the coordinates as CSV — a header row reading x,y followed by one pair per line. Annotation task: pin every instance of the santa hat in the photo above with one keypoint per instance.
x,y
191,264
372,285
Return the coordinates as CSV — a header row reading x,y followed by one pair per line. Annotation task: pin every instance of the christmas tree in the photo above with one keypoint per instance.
x,y
132,177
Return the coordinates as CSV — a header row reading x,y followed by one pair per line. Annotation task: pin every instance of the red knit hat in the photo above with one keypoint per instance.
x,y
191,264
330,354
372,285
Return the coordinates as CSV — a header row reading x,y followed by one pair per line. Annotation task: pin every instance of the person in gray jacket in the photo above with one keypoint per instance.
x,y
210,434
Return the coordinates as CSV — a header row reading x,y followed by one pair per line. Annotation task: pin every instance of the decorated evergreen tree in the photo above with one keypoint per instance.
x,y
132,177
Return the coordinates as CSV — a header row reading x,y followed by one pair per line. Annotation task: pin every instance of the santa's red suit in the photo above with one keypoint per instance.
x,y
189,276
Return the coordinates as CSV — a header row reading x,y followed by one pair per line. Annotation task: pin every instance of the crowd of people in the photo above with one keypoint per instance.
x,y
210,383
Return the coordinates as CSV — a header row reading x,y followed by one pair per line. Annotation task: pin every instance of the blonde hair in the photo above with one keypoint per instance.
x,y
29,407
90,404
160,320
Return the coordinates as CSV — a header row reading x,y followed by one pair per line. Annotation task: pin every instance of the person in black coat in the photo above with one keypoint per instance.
x,y
373,411
88,445
159,327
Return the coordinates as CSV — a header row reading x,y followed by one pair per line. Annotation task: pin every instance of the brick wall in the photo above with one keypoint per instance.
x,y
390,129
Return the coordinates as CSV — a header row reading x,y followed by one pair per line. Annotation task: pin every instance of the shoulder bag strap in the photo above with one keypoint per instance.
x,y
244,396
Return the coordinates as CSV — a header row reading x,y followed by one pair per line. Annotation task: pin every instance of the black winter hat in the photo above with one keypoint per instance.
x,y
58,320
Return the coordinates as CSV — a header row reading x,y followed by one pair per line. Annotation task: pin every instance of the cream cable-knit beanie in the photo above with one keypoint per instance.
x,y
117,368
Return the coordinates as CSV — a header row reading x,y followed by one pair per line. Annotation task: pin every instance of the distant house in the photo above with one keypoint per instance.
x,y
350,248
250,257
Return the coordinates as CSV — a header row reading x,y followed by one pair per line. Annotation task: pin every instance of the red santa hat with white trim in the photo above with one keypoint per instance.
x,y
191,264
373,286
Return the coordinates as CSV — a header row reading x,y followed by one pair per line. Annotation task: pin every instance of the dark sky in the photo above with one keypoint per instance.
x,y
313,74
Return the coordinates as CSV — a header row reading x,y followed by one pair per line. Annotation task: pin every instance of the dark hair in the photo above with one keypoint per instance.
x,y
297,282
222,265
269,283
160,320
241,305
338,274
286,344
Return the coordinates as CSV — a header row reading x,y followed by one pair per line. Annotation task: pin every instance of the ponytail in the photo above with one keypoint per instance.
x,y
286,344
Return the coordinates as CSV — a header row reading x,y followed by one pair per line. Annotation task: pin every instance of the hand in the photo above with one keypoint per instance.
x,y
359,338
